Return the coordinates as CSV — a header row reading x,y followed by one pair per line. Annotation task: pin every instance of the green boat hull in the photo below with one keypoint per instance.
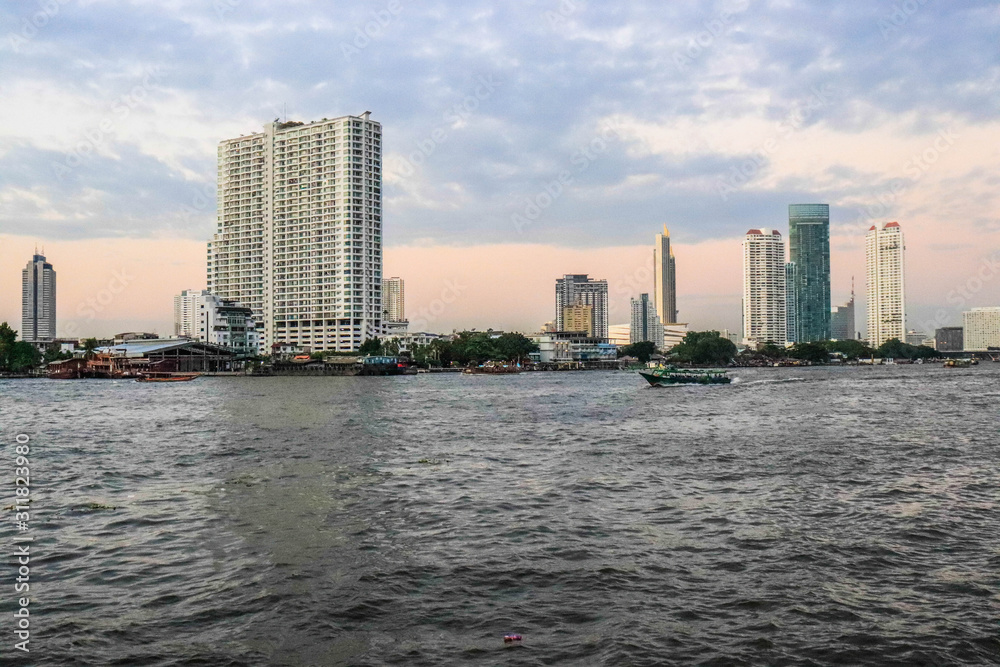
x,y
663,378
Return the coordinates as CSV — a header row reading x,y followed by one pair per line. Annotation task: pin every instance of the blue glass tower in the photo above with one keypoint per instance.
x,y
809,245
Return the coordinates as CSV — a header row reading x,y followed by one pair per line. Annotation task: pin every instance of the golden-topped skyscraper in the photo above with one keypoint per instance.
x,y
665,278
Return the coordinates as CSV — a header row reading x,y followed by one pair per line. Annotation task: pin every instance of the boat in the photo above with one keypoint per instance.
x,y
187,377
492,369
960,363
672,375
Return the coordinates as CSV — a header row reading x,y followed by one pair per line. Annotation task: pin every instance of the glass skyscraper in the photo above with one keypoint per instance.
x,y
809,245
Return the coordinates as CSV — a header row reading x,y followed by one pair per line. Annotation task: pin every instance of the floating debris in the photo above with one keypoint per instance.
x,y
510,639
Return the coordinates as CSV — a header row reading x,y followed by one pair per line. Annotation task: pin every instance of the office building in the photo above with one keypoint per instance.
x,y
393,300
665,278
299,232
619,335
914,337
576,289
646,325
884,249
38,301
842,320
763,287
982,329
949,339
809,250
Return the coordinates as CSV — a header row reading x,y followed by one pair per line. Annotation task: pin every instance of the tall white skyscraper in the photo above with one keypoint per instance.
x,y
664,278
299,231
764,287
646,325
576,289
38,301
393,300
884,249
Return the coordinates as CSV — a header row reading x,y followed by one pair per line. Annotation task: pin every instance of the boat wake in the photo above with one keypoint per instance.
x,y
747,383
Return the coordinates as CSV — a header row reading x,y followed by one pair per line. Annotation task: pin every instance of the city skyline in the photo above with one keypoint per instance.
x,y
112,156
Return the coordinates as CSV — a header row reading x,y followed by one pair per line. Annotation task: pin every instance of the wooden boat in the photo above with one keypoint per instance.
x,y
187,377
960,363
672,375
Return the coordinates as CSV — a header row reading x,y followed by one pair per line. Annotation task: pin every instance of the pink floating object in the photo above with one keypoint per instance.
x,y
510,639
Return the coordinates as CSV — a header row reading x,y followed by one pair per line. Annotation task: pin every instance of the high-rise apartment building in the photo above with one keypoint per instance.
x,y
646,325
576,289
393,300
579,318
982,329
886,286
665,278
764,287
186,308
299,232
38,301
790,304
842,320
809,250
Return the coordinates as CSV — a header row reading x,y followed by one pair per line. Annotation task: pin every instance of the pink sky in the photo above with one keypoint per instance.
x,y
108,286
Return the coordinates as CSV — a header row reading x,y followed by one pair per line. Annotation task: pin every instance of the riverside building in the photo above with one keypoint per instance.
x,y
763,287
577,289
809,250
202,316
982,329
38,301
299,233
842,320
886,286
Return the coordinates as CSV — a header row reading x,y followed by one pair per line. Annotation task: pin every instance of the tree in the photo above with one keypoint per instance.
x,y
814,352
514,347
24,356
89,345
8,337
371,347
851,349
391,346
705,347
771,351
641,351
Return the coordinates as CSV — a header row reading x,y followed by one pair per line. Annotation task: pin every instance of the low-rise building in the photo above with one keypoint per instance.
x,y
949,339
569,346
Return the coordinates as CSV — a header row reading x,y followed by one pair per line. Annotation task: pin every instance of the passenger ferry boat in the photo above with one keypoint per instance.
x,y
673,375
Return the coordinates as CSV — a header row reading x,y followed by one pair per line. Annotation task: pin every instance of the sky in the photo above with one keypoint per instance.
x,y
522,141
